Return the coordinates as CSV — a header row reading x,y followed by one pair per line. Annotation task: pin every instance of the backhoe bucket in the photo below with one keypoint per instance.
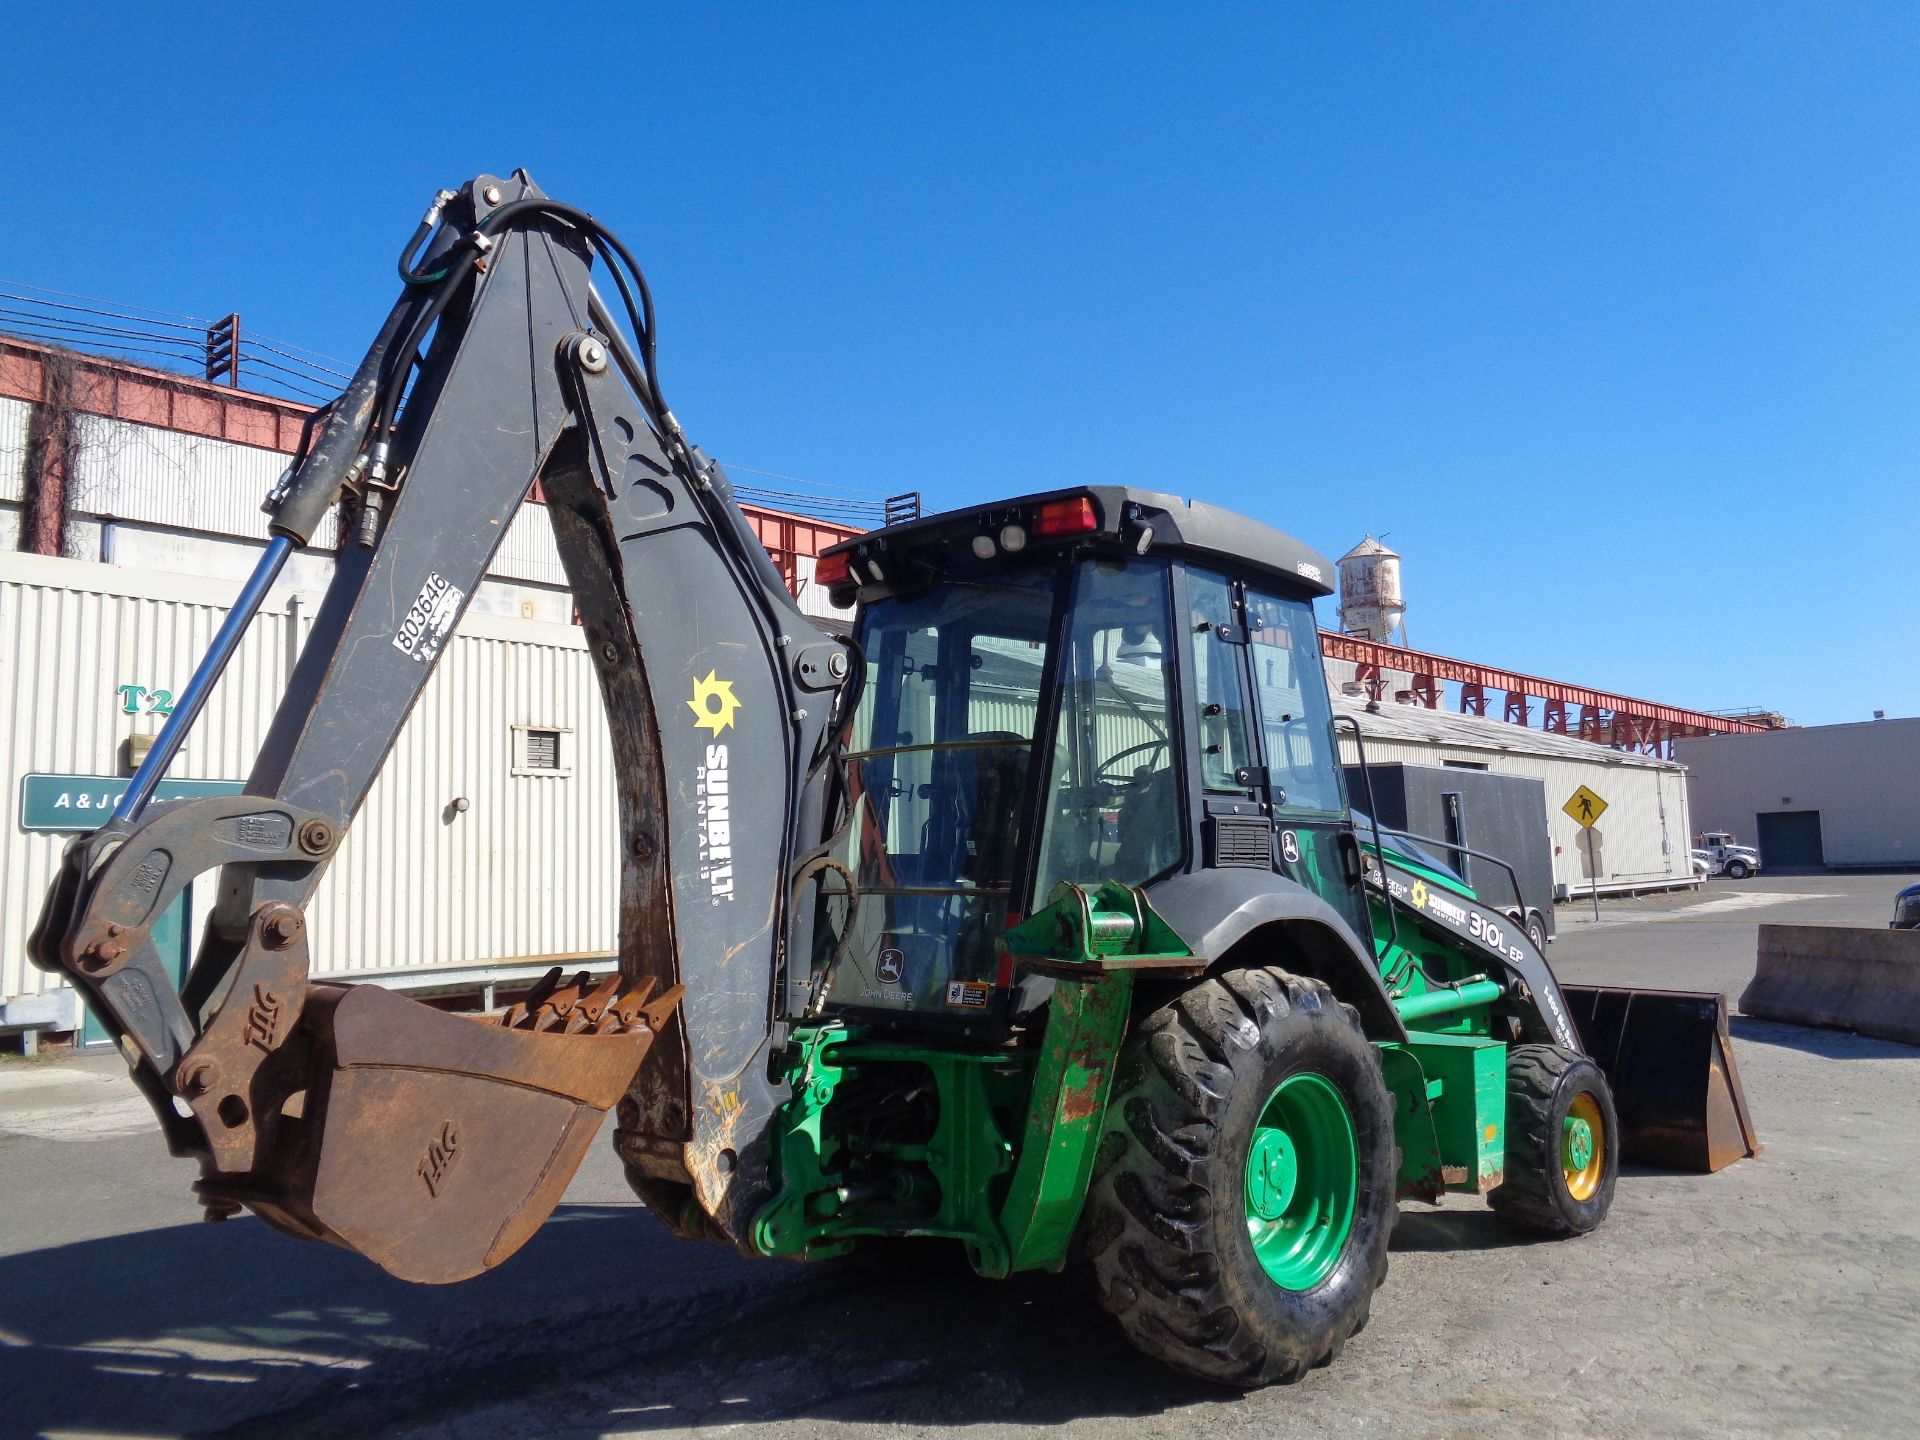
x,y
435,1144
1669,1060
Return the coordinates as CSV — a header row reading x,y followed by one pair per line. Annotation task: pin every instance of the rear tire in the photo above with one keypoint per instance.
x,y
1537,931
1245,1273
1563,1143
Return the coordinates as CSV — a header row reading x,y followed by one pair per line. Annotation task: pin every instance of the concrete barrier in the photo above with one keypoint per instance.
x,y
1842,977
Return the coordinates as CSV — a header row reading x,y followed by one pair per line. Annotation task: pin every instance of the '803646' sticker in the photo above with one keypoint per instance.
x,y
423,629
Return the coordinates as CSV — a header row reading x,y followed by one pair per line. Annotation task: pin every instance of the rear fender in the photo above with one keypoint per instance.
x,y
1235,918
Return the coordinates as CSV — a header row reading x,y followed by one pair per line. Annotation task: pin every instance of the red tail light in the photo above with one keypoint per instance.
x,y
1065,517
832,569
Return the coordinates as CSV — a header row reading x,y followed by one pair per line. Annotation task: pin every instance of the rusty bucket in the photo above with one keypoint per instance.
x,y
436,1144
1669,1060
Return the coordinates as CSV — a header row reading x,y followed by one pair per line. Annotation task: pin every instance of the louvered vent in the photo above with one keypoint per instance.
x,y
1241,842
543,750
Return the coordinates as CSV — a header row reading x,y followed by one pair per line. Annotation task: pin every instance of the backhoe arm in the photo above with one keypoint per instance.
x,y
429,1142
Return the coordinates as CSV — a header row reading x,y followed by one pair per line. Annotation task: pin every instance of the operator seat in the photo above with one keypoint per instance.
x,y
997,780
1149,823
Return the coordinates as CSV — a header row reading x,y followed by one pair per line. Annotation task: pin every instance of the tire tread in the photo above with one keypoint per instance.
x,y
1154,1261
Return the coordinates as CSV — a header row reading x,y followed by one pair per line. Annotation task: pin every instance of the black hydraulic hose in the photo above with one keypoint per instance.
x,y
649,358
317,479
408,274
308,427
619,261
613,250
403,358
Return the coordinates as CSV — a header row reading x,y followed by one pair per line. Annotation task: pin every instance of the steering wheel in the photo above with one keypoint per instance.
x,y
1104,774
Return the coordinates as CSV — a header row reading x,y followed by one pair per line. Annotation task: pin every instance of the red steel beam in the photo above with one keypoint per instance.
x,y
1480,678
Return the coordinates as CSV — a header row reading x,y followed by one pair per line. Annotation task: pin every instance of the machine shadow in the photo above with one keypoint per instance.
x,y
1422,1230
233,1329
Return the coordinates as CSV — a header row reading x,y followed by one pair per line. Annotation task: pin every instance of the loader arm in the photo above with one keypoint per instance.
x,y
429,1142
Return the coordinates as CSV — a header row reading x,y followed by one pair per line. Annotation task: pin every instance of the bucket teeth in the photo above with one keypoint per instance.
x,y
554,1010
627,1009
516,1015
586,1015
583,1007
655,1015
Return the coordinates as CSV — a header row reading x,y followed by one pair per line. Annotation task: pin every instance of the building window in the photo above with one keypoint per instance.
x,y
542,750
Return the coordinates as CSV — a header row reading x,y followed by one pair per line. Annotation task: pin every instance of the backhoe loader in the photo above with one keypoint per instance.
x,y
1033,916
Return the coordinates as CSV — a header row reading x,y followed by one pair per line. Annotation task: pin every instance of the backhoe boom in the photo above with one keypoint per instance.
x,y
497,368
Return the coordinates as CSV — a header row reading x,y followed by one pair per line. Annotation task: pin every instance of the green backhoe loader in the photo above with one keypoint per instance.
x,y
1032,916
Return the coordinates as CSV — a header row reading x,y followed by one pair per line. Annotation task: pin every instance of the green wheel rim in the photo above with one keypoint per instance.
x,y
1303,1182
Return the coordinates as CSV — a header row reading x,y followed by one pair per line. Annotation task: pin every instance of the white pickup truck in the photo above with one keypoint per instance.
x,y
1724,857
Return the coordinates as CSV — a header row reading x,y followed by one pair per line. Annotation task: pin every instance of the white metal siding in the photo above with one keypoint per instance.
x,y
529,552
167,477
1644,833
153,476
1864,779
528,870
13,447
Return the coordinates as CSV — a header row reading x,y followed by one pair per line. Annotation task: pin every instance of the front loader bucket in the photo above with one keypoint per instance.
x,y
435,1144
1669,1060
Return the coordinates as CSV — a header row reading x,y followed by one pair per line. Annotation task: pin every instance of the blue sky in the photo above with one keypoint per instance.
x,y
1608,314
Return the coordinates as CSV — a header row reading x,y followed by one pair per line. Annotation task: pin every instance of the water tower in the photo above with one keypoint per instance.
x,y
1371,602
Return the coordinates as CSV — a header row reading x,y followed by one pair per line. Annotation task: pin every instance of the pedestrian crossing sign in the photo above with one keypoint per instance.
x,y
1585,807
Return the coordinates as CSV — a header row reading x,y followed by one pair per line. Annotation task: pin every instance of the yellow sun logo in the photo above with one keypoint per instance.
x,y
713,704
1419,896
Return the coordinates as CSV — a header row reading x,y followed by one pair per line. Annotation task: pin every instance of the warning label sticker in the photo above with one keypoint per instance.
x,y
968,994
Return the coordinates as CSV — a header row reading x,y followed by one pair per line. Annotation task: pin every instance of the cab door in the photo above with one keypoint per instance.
x,y
1299,775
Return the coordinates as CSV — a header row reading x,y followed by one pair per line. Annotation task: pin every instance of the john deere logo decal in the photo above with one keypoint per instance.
x,y
713,704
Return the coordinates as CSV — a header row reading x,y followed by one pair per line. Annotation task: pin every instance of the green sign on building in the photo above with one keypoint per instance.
x,y
79,803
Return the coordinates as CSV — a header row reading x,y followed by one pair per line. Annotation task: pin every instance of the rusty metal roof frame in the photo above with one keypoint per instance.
x,y
1622,721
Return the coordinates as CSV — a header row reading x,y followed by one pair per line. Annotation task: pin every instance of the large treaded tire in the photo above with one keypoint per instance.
x,y
1543,1081
1167,1213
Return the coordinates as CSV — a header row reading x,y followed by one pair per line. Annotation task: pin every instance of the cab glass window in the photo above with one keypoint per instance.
x,y
936,773
1113,801
1296,720
1221,724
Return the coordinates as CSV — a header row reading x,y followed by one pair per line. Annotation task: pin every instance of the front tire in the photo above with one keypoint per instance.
x,y
1738,870
1563,1143
1240,1215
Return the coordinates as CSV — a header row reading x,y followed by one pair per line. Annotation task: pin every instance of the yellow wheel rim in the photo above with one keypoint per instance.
x,y
1583,1147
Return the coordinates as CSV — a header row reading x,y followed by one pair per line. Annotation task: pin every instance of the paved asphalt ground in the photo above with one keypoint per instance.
x,y
1780,1297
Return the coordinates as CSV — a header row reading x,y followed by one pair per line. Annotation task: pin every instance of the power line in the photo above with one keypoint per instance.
x,y
111,327
69,295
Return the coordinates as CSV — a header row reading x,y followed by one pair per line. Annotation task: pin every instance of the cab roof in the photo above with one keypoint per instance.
x,y
1128,520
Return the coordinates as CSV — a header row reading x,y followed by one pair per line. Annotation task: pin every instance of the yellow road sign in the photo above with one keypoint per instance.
x,y
1585,807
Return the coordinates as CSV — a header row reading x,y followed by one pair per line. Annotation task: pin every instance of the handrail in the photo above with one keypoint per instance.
x,y
1373,818
1439,844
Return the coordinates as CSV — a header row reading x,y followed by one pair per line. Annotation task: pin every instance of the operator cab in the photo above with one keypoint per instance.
x,y
1094,685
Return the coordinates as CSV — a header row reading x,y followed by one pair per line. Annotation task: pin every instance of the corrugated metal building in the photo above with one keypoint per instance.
x,y
525,875
1643,836
1813,796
